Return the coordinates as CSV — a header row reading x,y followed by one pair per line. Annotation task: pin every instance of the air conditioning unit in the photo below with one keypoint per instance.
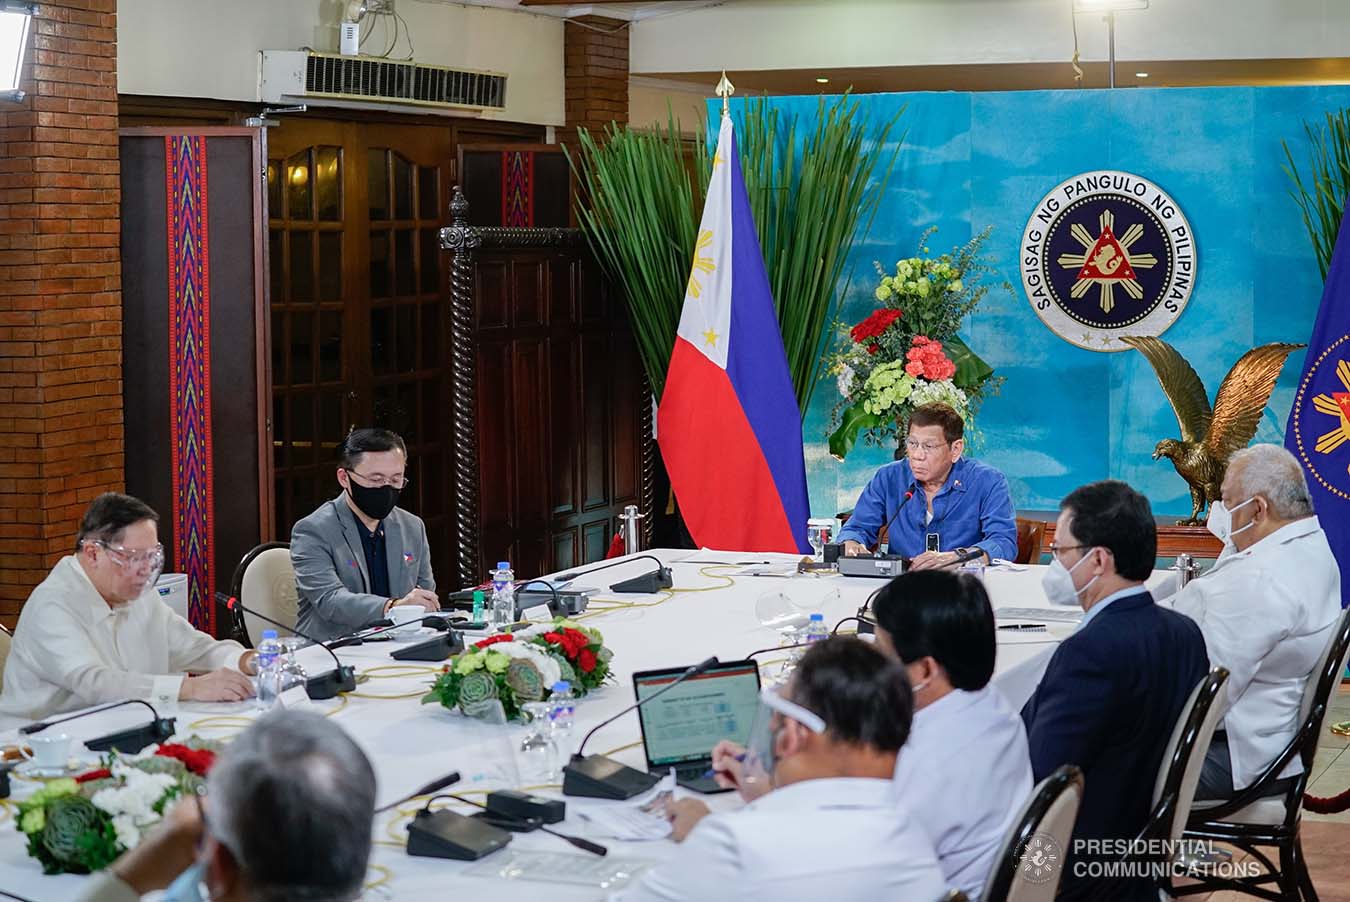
x,y
302,76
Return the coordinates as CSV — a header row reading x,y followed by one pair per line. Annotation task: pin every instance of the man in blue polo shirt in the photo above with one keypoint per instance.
x,y
934,499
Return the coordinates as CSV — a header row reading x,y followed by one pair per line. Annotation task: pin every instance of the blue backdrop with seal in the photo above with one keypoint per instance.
x,y
1066,415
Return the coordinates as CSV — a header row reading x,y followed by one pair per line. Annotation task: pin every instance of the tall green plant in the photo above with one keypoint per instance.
x,y
639,209
1322,196
808,194
636,206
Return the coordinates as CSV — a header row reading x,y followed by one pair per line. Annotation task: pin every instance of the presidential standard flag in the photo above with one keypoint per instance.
x,y
1318,433
728,425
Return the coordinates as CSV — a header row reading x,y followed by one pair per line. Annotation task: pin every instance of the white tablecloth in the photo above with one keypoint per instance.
x,y
411,744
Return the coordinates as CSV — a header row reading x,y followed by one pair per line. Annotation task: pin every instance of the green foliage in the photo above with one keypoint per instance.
x,y
808,191
1321,198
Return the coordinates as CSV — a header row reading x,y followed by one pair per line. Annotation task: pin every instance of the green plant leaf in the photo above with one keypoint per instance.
x,y
855,419
970,369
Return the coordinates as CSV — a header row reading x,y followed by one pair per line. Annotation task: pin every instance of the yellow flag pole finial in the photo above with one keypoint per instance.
x,y
724,90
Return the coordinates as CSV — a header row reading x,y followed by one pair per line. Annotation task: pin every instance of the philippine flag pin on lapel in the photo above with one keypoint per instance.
x,y
407,557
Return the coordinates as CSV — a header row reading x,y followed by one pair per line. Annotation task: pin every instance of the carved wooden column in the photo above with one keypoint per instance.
x,y
462,239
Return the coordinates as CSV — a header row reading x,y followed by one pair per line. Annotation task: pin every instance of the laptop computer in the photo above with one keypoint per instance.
x,y
680,728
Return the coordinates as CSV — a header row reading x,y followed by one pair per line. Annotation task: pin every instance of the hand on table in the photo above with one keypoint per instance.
x,y
223,685
425,597
684,815
934,560
854,549
168,850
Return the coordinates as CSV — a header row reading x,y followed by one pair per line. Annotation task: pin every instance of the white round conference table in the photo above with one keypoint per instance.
x,y
711,612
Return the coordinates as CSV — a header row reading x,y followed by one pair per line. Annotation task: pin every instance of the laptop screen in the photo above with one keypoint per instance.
x,y
685,723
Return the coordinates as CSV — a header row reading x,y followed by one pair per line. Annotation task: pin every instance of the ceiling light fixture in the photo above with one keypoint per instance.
x,y
1141,75
15,21
822,80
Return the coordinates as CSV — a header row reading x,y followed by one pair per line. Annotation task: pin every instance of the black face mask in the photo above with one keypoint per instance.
x,y
374,501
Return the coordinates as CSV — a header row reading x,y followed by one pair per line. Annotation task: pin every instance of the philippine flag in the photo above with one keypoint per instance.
x,y
729,427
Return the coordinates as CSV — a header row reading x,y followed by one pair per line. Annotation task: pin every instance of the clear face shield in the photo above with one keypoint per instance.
x,y
761,757
141,568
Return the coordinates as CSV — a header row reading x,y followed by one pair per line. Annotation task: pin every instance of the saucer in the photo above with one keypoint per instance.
x,y
30,770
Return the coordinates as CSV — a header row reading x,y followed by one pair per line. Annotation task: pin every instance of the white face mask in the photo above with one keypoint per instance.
x,y
1220,521
1058,582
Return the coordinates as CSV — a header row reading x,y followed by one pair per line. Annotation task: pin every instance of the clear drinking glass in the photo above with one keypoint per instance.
x,y
292,674
818,533
537,752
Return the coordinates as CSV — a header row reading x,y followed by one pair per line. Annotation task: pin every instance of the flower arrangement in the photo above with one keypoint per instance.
x,y
499,674
906,352
83,824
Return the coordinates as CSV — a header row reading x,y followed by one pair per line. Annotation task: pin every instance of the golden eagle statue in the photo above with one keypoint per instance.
x,y
1210,437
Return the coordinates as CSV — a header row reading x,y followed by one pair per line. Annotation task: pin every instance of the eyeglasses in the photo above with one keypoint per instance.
x,y
927,448
1056,549
379,482
154,557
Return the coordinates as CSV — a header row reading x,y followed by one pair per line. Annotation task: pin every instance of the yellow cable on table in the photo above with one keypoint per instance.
x,y
385,875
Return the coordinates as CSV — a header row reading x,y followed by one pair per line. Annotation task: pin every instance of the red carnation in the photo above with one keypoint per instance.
x,y
875,324
493,640
555,638
198,761
586,660
101,773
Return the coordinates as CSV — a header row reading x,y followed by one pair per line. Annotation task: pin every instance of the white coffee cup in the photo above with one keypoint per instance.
x,y
408,619
48,752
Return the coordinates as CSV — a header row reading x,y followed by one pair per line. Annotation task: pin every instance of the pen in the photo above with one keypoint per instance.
x,y
711,771
1024,627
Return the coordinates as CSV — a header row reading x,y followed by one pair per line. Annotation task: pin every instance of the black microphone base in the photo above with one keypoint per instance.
x,y
445,834
131,741
647,583
598,777
328,685
437,648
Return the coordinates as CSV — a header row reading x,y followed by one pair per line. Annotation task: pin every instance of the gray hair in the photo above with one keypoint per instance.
x,y
1276,475
292,799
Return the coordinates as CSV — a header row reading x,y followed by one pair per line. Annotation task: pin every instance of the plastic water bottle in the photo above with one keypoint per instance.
x,y
816,629
503,596
268,681
562,715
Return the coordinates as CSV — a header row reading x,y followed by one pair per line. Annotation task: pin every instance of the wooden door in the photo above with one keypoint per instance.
x,y
359,306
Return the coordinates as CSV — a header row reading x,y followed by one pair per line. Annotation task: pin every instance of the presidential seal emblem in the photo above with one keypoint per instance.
x,y
1321,418
1107,254
1041,859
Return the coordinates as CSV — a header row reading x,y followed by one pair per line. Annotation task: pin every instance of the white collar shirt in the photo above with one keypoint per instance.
x,y
71,650
963,776
835,839
1266,614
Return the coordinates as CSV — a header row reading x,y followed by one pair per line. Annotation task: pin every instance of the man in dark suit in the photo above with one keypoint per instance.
x,y
1113,690
359,554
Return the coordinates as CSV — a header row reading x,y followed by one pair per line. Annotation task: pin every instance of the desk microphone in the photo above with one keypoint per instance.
x,y
128,741
598,777
325,685
435,785
647,583
445,643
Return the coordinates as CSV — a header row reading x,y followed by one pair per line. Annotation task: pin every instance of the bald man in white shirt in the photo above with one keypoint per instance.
x,y
822,821
966,770
95,630
1266,610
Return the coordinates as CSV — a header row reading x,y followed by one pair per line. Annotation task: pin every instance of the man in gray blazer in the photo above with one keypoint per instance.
x,y
359,554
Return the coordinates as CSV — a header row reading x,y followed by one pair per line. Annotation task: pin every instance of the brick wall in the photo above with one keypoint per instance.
x,y
595,53
61,440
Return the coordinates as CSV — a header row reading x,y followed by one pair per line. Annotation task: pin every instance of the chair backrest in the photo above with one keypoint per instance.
x,y
1030,536
6,639
1323,680
265,581
1183,758
1039,839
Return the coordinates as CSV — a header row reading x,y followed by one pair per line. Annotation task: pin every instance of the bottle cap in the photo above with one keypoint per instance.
x,y
269,634
815,617
562,686
503,565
